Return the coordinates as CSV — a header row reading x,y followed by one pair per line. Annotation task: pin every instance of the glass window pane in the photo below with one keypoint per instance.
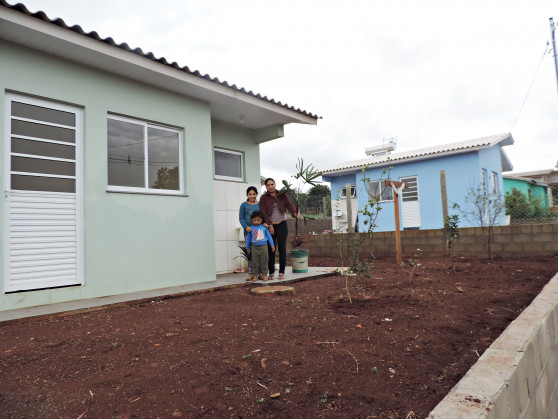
x,y
31,129
163,152
24,110
387,193
51,167
39,148
36,183
125,153
374,189
228,164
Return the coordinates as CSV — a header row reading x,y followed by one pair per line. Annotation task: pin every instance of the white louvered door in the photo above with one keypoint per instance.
x,y
43,199
410,204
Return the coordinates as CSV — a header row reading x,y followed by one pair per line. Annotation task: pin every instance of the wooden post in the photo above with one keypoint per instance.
x,y
444,191
397,187
348,195
324,203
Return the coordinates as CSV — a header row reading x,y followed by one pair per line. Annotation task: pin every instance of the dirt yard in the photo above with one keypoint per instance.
x,y
394,352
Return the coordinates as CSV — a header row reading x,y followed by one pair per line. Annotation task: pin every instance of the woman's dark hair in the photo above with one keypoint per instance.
x,y
251,188
256,214
268,179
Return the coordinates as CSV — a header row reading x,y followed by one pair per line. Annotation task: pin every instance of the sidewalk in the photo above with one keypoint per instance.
x,y
222,281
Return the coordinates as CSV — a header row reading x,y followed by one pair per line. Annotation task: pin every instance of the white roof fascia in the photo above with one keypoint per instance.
x,y
506,162
427,154
525,179
38,34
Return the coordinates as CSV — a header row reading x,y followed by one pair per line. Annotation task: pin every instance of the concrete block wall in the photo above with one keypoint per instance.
x,y
517,376
508,241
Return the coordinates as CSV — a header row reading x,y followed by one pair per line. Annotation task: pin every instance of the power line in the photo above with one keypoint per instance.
x,y
143,141
531,85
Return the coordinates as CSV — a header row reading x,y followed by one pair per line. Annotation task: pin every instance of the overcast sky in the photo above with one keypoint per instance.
x,y
427,72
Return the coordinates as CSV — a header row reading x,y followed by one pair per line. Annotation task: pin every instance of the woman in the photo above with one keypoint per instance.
x,y
274,207
244,216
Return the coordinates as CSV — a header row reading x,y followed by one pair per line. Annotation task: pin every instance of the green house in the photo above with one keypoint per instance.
x,y
531,188
121,170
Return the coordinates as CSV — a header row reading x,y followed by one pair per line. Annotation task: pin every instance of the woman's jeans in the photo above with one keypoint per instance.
x,y
280,233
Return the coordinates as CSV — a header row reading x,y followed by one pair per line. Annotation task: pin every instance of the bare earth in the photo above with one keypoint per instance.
x,y
394,352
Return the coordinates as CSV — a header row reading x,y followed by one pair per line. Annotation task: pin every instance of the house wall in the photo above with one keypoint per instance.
x,y
339,218
228,195
463,171
132,242
537,191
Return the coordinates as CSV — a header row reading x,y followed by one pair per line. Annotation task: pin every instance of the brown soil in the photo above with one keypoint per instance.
x,y
394,352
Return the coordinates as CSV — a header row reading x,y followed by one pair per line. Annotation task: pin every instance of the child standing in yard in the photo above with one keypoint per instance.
x,y
246,209
256,244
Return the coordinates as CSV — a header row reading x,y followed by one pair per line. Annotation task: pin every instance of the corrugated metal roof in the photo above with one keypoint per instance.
x,y
533,173
424,153
19,7
525,179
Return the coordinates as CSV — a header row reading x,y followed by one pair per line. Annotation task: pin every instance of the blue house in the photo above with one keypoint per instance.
x,y
463,165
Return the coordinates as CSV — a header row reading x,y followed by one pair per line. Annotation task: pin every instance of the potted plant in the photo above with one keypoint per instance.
x,y
304,176
244,255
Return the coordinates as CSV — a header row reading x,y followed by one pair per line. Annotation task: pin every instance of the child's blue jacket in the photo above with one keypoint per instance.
x,y
259,236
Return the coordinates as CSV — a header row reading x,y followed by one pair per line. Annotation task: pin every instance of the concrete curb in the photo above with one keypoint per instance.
x,y
517,376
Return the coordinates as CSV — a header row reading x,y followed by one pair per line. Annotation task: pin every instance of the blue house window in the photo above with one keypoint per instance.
x,y
484,182
495,190
379,191
344,191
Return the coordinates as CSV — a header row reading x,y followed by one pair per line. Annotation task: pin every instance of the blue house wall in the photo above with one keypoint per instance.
x,y
463,172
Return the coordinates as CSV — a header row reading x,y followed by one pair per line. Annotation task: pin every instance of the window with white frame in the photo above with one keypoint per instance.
x,y
143,157
484,182
229,165
379,191
344,191
494,183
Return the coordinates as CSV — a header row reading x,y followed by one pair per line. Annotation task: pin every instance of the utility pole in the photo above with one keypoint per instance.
x,y
553,40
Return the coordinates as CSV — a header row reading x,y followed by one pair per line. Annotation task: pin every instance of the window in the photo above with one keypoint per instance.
x,y
143,157
494,183
378,190
484,182
410,193
43,147
344,191
229,165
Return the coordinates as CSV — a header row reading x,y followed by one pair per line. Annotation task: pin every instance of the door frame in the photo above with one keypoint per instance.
x,y
78,112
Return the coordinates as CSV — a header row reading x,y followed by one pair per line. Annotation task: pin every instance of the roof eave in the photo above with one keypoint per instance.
x,y
228,103
505,140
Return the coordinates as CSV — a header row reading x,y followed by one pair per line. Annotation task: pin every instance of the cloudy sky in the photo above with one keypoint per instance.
x,y
427,72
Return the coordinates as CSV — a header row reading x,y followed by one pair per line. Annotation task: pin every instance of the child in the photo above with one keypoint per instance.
x,y
246,209
256,244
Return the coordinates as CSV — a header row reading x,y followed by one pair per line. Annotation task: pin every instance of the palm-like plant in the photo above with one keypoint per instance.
x,y
305,175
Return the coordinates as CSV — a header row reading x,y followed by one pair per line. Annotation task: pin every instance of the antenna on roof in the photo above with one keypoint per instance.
x,y
388,145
